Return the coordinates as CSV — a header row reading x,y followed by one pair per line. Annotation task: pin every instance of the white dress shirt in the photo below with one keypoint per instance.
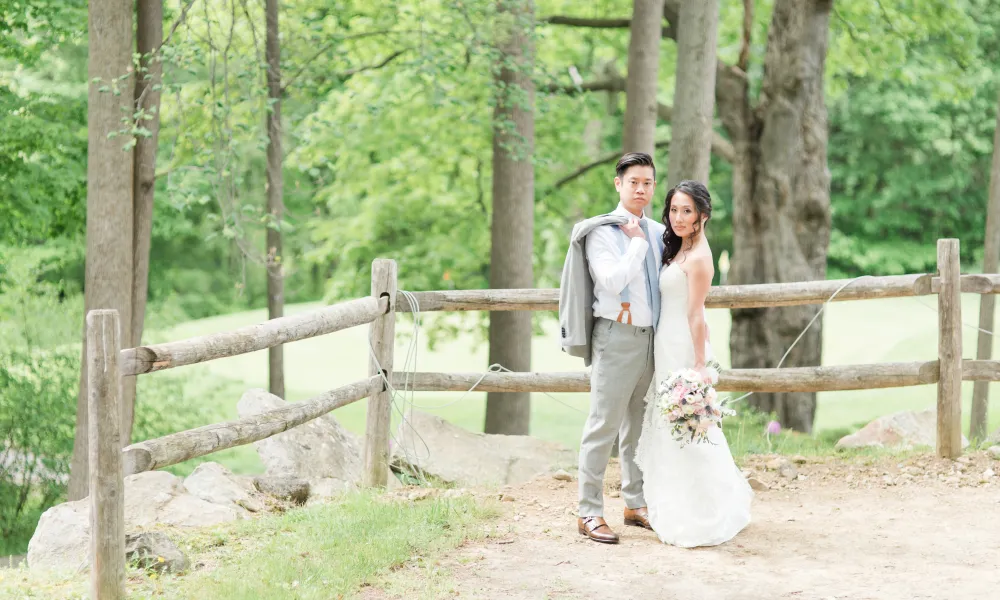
x,y
611,271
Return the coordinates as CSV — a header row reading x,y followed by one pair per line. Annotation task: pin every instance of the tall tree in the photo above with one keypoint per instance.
x,y
513,225
643,71
781,194
694,91
275,203
108,272
987,302
148,38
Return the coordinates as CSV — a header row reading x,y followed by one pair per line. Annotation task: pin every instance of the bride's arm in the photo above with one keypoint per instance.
x,y
699,282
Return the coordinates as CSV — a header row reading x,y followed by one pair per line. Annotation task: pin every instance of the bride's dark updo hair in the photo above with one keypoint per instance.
x,y
702,205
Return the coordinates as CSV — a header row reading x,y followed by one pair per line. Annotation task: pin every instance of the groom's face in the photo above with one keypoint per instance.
x,y
635,188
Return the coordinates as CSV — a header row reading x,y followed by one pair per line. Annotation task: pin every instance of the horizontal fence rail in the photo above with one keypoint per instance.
x,y
760,295
329,319
185,445
788,379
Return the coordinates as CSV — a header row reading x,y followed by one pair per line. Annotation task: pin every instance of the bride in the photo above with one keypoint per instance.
x,y
696,496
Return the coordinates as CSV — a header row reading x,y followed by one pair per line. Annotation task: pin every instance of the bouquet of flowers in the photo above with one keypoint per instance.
x,y
689,403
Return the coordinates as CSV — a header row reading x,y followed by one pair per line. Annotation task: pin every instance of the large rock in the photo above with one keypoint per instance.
x,y
154,551
60,541
215,483
456,456
899,430
284,487
159,498
318,450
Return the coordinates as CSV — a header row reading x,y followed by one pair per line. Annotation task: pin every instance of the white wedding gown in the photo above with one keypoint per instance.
x,y
695,494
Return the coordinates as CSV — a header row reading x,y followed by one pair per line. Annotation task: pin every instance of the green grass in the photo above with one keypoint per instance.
x,y
870,331
327,551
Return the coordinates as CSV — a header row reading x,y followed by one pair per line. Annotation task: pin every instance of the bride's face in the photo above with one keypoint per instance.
x,y
684,216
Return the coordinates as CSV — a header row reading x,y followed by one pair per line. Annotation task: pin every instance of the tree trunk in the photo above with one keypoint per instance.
x,y
108,273
149,37
694,92
781,196
275,205
987,302
513,223
643,69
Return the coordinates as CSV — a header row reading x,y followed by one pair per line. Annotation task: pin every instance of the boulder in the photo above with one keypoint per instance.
x,y
453,455
290,489
215,483
154,551
159,498
899,430
318,450
61,540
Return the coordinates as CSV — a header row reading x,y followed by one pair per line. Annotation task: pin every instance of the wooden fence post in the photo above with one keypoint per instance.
x,y
381,335
949,396
987,302
107,489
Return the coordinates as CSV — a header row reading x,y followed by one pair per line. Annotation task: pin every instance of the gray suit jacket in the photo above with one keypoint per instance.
x,y
576,290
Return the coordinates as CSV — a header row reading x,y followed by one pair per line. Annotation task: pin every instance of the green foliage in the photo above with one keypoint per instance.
x,y
29,27
906,41
43,158
40,303
910,150
37,414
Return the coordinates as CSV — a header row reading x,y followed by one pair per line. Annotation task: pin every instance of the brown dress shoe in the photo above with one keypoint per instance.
x,y
596,529
638,517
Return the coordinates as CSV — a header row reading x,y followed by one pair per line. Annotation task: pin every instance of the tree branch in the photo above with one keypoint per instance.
x,y
744,60
177,23
612,84
721,147
569,21
732,102
585,22
388,59
351,72
326,47
667,32
671,12
609,157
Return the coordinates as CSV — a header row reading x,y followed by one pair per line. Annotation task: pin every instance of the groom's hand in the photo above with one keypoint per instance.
x,y
632,229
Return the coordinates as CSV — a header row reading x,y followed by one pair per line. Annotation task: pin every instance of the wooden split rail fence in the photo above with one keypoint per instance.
x,y
108,363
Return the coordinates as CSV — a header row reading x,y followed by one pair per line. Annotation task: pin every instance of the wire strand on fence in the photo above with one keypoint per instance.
x,y
969,325
403,400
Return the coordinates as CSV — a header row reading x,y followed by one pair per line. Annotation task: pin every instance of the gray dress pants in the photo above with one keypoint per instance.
x,y
621,370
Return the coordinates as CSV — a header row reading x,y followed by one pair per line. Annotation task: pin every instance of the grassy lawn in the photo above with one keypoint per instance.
x,y
327,551
870,331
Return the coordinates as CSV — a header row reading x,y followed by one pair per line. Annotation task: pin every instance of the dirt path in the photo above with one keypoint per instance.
x,y
885,529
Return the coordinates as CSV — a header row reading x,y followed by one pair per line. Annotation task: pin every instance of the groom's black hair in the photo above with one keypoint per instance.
x,y
634,159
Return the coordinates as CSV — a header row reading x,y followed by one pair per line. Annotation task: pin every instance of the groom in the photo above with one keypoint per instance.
x,y
609,304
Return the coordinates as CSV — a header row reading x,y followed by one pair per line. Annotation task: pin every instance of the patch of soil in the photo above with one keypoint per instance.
x,y
885,528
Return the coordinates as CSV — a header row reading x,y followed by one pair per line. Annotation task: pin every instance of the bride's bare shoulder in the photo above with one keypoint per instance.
x,y
701,263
